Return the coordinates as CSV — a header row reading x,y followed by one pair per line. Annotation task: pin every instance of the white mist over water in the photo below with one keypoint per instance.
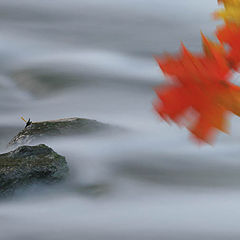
x,y
93,59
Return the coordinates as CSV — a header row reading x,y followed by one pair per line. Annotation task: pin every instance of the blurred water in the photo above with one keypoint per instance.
x,y
93,58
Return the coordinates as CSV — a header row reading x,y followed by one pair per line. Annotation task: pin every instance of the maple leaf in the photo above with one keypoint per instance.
x,y
231,13
199,68
230,34
229,3
199,82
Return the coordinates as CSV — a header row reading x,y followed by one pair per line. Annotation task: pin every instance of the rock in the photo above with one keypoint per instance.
x,y
61,127
30,164
39,81
94,190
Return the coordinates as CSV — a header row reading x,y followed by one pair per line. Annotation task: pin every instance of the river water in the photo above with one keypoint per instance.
x,y
93,59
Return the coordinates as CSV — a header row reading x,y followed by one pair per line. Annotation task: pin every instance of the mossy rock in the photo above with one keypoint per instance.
x,y
62,127
30,164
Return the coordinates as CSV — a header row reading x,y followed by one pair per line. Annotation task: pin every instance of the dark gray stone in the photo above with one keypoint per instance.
x,y
62,127
30,164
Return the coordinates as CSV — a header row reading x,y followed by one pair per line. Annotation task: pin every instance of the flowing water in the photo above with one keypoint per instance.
x,y
93,59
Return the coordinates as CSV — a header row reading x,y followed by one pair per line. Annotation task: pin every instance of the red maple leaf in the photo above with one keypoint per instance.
x,y
199,82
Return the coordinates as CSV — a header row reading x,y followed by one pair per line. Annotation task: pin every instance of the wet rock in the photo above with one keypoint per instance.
x,y
48,78
93,190
69,126
41,80
30,164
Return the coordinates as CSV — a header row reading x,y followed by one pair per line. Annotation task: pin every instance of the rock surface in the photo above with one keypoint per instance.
x,y
30,164
61,127
40,80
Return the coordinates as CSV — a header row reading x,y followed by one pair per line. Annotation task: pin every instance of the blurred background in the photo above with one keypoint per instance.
x,y
93,59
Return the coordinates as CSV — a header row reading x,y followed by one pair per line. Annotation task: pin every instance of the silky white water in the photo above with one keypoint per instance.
x,y
93,59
